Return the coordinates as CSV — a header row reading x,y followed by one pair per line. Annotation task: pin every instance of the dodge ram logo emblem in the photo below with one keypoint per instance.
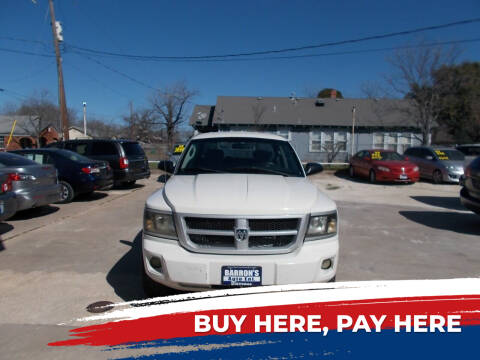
x,y
241,234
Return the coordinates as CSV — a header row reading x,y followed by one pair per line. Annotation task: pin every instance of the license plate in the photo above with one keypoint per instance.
x,y
242,275
403,177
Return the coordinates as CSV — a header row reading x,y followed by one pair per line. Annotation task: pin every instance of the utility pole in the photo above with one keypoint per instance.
x,y
85,118
354,109
61,89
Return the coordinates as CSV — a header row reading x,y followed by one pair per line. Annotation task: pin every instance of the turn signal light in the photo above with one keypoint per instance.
x,y
123,162
87,170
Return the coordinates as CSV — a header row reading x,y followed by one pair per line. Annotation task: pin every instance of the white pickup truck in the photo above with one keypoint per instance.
x,y
238,211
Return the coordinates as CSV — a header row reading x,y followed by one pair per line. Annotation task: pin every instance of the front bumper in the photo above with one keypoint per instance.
x,y
390,176
130,175
452,176
35,197
184,270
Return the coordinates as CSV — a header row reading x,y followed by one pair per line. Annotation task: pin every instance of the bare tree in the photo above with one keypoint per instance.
x,y
332,150
41,112
169,106
413,79
140,125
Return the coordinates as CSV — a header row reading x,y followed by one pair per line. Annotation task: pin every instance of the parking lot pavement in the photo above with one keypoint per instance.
x,y
57,263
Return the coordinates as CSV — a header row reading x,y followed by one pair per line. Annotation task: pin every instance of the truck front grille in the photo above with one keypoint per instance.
x,y
263,235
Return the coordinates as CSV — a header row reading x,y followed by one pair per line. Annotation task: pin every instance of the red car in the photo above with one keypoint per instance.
x,y
383,165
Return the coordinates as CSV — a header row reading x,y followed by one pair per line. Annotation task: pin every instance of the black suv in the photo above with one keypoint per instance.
x,y
126,157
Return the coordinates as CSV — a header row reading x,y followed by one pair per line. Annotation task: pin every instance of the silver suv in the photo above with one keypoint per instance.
x,y
440,164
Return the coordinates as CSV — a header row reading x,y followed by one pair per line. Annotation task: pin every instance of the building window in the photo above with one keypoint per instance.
x,y
391,141
330,142
405,141
341,141
2,142
378,141
315,141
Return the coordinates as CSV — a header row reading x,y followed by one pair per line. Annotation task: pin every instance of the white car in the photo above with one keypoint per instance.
x,y
238,211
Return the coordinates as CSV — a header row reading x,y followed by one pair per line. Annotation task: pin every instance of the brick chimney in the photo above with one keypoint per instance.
x,y
333,94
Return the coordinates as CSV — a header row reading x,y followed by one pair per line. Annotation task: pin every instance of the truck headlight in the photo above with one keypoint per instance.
x,y
321,226
159,224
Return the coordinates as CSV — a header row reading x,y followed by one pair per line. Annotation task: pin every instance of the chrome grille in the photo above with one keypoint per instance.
x,y
210,234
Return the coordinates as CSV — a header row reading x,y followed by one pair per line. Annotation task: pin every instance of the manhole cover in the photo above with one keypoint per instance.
x,y
100,306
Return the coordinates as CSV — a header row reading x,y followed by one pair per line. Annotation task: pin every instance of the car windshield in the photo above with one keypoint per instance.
x,y
240,155
14,160
73,156
449,154
387,155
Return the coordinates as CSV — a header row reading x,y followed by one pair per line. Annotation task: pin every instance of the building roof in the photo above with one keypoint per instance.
x,y
307,112
25,125
202,115
234,134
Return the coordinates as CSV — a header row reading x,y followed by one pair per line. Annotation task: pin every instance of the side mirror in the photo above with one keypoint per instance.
x,y
367,158
167,166
406,158
313,168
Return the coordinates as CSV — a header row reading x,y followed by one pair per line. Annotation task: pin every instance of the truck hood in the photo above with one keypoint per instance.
x,y
242,194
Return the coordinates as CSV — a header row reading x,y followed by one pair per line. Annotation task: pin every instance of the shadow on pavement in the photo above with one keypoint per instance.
x,y
447,202
128,187
5,228
90,197
34,213
163,178
125,277
464,223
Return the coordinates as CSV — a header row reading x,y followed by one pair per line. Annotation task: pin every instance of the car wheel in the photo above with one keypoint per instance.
x,y
154,289
333,279
437,177
66,192
351,171
130,183
372,177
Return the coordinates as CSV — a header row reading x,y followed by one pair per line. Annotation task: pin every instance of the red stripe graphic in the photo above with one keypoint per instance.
x,y
180,325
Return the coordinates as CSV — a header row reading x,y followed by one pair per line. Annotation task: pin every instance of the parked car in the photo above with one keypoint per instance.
x,y
470,193
440,164
383,165
126,158
471,151
34,185
8,201
77,174
238,211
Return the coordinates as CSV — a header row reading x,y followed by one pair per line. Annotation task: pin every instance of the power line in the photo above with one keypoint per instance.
x,y
118,72
276,51
25,52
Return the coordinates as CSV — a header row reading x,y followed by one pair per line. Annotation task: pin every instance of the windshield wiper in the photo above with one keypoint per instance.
x,y
257,170
199,170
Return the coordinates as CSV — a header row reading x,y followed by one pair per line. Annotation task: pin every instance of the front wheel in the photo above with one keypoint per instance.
x,y
66,192
351,171
372,177
437,177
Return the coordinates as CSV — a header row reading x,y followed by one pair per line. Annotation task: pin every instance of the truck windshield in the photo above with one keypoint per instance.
x,y
240,155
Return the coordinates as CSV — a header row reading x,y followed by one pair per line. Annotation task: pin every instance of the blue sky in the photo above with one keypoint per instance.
x,y
188,28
